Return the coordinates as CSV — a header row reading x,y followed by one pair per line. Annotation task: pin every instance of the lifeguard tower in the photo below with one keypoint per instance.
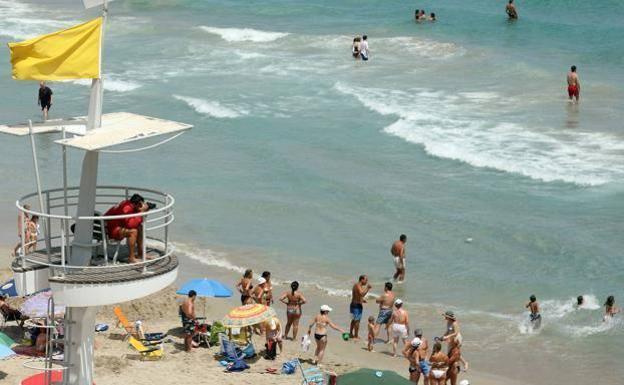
x,y
74,256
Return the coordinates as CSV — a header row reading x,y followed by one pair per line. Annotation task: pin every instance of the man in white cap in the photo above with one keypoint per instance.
x,y
259,293
400,325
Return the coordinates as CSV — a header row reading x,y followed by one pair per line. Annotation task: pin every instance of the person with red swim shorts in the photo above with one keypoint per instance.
x,y
129,228
574,84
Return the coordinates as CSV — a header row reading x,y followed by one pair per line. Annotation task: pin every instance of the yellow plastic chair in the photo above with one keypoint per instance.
x,y
154,352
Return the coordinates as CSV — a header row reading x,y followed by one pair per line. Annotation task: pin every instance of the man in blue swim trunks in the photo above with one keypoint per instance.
x,y
358,298
385,301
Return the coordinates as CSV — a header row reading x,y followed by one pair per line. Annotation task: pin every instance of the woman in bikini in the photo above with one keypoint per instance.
x,y
245,286
321,322
452,335
439,365
293,300
610,308
268,289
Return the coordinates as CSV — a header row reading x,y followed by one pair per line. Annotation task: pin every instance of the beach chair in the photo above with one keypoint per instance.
x,y
312,375
152,352
131,331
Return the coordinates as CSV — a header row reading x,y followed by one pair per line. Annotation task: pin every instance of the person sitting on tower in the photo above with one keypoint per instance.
x,y
129,228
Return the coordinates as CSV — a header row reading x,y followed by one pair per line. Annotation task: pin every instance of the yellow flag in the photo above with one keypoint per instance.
x,y
72,53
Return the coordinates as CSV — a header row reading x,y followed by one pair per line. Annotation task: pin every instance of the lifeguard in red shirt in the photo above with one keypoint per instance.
x,y
129,228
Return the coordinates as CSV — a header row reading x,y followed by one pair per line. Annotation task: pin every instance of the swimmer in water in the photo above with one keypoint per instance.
x,y
580,301
610,308
535,316
511,10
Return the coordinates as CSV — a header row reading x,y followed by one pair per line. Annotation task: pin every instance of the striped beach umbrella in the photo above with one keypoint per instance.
x,y
248,315
37,306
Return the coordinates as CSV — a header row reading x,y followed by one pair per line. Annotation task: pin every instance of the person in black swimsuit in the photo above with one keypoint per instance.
x,y
321,322
45,99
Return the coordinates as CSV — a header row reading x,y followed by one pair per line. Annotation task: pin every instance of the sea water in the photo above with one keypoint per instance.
x,y
308,163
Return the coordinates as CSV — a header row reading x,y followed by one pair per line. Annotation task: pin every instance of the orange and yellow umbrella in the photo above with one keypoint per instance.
x,y
248,315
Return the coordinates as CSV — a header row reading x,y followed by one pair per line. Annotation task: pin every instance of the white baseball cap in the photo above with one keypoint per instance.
x,y
326,308
464,382
416,342
398,302
261,281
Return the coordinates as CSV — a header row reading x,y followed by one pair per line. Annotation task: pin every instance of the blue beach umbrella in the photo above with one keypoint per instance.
x,y
8,288
5,352
205,287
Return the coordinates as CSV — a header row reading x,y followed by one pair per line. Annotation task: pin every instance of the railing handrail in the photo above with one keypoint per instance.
x,y
168,198
167,253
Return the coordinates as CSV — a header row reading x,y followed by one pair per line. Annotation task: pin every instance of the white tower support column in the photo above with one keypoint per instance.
x,y
79,345
80,322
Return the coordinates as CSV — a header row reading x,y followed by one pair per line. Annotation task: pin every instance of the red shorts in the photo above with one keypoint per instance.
x,y
573,91
114,232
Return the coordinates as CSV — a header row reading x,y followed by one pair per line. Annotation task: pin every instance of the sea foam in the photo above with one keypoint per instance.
x,y
212,108
441,123
111,84
244,34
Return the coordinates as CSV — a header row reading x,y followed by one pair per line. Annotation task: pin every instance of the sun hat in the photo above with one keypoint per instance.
x,y
450,315
261,281
326,308
464,382
416,342
398,302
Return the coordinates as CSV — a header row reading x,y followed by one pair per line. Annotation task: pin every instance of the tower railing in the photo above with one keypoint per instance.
x,y
53,248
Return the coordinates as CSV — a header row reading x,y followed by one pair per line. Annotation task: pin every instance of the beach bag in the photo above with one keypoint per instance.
x,y
237,366
289,367
305,343
271,350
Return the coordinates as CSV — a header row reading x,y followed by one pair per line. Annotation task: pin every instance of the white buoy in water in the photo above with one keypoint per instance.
x,y
468,240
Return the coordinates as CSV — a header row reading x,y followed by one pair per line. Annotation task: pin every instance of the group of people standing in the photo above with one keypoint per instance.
x,y
359,49
435,368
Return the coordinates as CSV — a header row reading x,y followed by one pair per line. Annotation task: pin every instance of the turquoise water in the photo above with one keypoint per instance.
x,y
310,164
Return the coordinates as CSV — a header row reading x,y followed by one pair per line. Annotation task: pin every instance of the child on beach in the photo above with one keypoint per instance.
x,y
371,333
535,316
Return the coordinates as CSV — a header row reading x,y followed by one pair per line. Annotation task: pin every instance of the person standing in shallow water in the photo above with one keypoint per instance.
x,y
574,85
398,253
511,10
535,317
610,308
364,52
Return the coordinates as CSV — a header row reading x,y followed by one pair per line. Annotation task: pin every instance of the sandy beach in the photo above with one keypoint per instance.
x,y
116,363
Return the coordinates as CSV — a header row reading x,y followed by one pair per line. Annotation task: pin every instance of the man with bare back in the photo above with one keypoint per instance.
x,y
398,253
574,84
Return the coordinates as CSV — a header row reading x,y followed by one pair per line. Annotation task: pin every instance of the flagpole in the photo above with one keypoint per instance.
x,y
39,193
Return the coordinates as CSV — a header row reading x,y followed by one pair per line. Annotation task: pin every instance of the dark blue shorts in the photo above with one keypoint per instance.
x,y
356,310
